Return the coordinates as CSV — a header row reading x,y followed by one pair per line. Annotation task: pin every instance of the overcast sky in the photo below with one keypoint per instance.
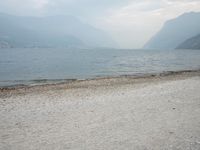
x,y
130,22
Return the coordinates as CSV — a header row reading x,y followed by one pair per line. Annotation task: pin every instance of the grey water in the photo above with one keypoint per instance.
x,y
32,65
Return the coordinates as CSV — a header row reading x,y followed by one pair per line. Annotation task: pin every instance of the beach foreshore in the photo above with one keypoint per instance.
x,y
152,112
44,84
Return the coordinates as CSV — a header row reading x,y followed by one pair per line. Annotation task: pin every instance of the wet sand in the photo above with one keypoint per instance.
x,y
148,113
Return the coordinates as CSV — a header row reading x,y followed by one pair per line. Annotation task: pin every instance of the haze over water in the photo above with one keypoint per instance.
x,y
22,66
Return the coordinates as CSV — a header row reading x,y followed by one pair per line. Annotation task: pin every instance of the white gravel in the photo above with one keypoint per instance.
x,y
160,115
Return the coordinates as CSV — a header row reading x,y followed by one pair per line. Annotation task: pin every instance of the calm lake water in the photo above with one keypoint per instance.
x,y
25,66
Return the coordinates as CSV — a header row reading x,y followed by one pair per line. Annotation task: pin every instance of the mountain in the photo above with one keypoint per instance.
x,y
50,31
191,43
175,31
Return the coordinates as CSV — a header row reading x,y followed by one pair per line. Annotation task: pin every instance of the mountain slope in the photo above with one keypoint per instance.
x,y
191,43
175,31
51,31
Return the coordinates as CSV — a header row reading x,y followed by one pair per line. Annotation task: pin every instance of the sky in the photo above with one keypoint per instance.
x,y
131,23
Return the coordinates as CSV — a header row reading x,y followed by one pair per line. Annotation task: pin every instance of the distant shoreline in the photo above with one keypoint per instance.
x,y
98,81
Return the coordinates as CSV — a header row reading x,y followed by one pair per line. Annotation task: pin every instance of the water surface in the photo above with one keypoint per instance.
x,y
30,65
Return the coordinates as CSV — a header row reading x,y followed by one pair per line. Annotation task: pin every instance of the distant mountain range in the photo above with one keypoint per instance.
x,y
51,31
191,43
176,33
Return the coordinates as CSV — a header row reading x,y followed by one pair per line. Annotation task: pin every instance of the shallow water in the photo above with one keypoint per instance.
x,y
29,66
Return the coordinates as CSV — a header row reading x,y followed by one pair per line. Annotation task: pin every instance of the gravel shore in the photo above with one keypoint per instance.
x,y
149,113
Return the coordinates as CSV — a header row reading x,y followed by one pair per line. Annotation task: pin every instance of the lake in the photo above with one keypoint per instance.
x,y
34,65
